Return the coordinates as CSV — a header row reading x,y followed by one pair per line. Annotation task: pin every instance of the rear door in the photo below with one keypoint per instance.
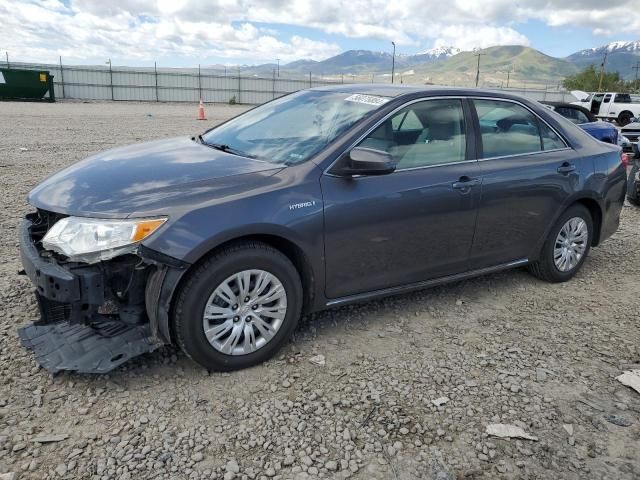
x,y
411,225
527,173
605,107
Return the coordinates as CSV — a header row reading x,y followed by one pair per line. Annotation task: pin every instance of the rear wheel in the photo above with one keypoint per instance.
x,y
238,307
566,247
624,118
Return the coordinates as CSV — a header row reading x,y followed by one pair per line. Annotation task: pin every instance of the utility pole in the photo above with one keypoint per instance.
x,y
478,69
111,79
278,60
393,61
636,68
7,54
508,77
61,76
604,61
155,70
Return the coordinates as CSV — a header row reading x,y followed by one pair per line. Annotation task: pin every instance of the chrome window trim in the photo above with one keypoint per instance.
x,y
448,97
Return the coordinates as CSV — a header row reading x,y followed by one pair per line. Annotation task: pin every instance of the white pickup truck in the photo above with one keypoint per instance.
x,y
621,107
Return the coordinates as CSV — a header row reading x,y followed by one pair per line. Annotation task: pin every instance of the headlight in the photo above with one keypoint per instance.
x,y
91,240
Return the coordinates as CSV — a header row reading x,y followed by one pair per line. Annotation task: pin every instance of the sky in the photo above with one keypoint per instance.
x,y
185,33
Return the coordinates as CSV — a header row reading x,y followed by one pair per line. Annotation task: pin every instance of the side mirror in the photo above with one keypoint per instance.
x,y
366,161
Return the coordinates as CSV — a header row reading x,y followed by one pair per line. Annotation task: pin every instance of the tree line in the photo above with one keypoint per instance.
x,y
589,81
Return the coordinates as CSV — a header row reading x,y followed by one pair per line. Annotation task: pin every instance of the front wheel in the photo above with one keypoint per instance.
x,y
238,307
566,247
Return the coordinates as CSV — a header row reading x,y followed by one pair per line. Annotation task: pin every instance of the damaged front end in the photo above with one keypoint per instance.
x,y
94,316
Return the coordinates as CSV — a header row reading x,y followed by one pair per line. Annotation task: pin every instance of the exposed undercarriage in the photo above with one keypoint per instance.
x,y
95,317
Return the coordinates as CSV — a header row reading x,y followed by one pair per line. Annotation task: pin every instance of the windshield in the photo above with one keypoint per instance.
x,y
292,129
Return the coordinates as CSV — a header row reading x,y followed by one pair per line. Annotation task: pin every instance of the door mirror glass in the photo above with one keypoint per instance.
x,y
366,161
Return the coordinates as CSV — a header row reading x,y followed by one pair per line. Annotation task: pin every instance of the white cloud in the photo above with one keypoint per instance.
x,y
133,30
468,37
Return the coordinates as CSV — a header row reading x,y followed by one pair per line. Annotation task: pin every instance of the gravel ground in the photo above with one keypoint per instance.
x,y
505,348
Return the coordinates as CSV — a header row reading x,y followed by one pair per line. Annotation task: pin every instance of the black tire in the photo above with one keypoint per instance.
x,y
633,185
624,118
545,268
193,297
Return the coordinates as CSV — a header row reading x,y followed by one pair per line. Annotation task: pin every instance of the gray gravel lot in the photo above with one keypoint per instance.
x,y
505,348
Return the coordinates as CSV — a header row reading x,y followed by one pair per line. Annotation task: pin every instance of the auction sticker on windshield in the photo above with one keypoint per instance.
x,y
368,99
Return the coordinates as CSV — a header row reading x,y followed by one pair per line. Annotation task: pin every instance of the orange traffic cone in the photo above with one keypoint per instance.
x,y
201,111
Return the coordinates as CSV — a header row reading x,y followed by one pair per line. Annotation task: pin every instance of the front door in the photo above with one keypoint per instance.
x,y
596,103
414,224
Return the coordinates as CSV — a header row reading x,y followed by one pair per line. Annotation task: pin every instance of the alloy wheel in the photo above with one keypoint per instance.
x,y
245,312
570,245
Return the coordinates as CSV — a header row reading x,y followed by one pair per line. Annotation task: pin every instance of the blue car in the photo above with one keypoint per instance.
x,y
603,131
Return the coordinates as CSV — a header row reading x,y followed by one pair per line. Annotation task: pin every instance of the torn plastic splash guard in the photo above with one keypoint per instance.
x,y
98,348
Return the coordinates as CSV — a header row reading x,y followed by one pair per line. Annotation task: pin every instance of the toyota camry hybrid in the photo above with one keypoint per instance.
x,y
220,242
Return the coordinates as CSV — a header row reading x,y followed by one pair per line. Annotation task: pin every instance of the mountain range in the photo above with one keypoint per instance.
x,y
500,64
621,57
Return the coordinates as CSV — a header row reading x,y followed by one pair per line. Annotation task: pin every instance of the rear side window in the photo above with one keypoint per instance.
x,y
507,129
622,98
510,129
550,139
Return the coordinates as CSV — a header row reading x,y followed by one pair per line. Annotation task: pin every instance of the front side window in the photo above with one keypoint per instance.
x,y
422,134
292,129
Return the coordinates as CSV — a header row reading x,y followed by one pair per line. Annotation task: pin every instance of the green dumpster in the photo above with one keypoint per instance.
x,y
16,84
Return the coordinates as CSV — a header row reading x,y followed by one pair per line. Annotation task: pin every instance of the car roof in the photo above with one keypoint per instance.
x,y
569,105
394,91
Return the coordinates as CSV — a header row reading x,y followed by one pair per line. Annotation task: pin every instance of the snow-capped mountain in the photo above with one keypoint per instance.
x,y
621,57
440,52
612,47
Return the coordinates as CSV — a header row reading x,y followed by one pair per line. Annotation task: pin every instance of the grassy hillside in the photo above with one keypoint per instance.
x,y
524,63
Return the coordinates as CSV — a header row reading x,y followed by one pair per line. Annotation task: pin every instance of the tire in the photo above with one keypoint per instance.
x,y
199,291
545,267
624,118
633,185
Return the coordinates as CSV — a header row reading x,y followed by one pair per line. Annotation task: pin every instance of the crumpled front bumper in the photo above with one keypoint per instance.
x,y
83,325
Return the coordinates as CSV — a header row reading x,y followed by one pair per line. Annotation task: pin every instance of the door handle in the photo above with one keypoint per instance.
x,y
464,183
566,168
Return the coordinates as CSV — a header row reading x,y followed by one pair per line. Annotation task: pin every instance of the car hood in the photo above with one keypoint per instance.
x,y
579,94
147,178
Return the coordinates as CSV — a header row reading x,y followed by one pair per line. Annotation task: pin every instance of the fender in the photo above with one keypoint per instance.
x,y
583,196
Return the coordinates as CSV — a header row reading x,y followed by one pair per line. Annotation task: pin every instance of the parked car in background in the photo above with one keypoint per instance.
x,y
325,197
603,131
631,132
621,107
633,181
